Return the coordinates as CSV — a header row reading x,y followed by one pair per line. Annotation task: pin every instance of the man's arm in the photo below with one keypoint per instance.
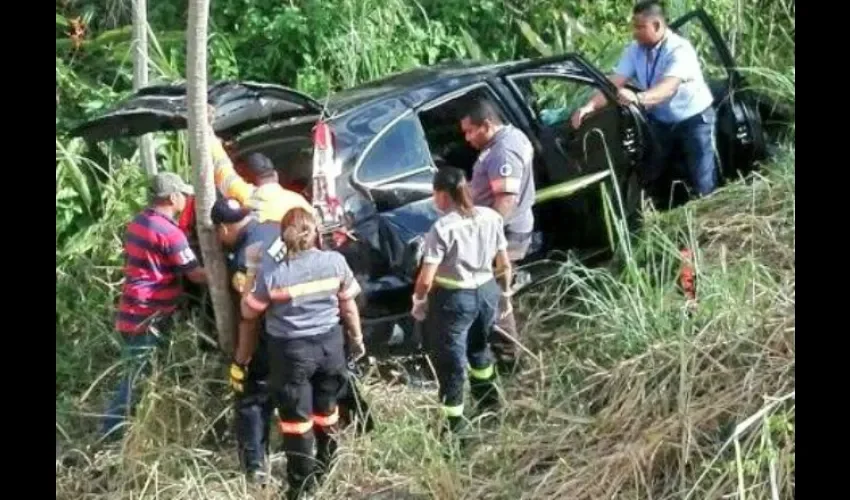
x,y
433,252
182,259
253,305
227,180
503,261
504,170
622,73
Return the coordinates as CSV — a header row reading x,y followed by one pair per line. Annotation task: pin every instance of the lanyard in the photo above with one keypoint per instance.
x,y
651,75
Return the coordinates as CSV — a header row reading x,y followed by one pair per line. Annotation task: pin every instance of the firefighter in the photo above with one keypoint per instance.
x,y
463,306
267,199
303,294
248,239
502,179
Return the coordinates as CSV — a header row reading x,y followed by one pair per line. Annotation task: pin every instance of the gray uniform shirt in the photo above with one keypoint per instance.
x,y
303,292
464,247
505,167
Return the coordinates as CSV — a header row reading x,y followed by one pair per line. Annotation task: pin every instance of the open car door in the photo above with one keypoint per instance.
x,y
239,106
604,149
740,138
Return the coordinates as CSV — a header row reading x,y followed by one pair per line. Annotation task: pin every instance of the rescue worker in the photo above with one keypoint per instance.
x,y
458,256
303,295
268,199
248,239
156,254
503,179
675,94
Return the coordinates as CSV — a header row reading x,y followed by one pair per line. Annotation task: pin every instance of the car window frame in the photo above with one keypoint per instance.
x,y
380,135
529,74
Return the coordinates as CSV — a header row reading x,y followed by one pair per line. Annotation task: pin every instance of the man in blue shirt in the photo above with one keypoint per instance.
x,y
676,96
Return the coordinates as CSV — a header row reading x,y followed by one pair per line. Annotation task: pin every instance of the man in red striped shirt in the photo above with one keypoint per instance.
x,y
156,254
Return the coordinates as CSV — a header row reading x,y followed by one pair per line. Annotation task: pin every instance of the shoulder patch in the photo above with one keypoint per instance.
x,y
277,250
506,170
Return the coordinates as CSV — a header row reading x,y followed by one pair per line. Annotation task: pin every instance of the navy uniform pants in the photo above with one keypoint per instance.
x,y
306,375
254,411
695,137
458,325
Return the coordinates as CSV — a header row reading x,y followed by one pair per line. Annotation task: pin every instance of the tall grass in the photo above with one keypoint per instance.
x,y
630,393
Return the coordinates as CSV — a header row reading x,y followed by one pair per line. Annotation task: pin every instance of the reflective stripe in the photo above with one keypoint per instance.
x,y
453,411
318,286
295,427
508,185
326,420
481,373
469,284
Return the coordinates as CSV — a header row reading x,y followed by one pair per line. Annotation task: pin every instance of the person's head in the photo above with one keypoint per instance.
x,y
261,167
298,230
230,218
451,191
168,192
648,22
480,123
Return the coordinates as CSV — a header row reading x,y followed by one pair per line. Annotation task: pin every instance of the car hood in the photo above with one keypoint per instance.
x,y
238,106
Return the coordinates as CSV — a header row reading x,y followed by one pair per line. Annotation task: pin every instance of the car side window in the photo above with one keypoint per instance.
x,y
402,149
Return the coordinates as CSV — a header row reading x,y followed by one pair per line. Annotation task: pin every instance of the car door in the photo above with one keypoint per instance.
x,y
239,106
605,148
740,139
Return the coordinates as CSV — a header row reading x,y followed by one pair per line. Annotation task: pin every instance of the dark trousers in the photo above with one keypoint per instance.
x,y
254,410
306,375
695,138
137,353
458,326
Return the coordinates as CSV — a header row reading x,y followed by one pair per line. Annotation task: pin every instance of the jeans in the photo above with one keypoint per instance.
x,y
136,356
458,324
695,137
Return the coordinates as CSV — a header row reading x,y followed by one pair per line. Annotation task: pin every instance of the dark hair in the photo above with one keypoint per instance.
x,y
298,230
649,8
452,180
481,109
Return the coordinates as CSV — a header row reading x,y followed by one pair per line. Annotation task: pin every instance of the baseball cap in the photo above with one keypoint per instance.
x,y
259,164
168,183
227,211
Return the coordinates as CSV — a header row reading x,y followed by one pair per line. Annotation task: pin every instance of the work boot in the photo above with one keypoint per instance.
x,y
326,447
485,395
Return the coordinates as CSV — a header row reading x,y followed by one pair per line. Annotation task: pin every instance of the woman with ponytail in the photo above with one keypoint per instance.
x,y
457,295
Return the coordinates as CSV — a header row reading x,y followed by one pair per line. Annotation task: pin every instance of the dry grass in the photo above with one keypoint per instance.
x,y
633,396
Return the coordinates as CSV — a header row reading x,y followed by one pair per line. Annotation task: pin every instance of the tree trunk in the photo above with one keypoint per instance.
x,y
140,76
201,160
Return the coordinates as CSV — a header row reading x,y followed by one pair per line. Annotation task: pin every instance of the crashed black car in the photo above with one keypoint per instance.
x,y
389,136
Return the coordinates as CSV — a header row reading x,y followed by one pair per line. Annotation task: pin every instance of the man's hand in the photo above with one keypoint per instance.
x,y
626,97
505,305
419,309
238,372
579,115
357,350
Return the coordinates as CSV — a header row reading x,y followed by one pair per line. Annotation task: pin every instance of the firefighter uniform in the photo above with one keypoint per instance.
x,y
300,294
269,200
253,403
505,166
463,306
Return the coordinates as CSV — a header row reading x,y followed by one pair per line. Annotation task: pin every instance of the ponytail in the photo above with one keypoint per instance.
x,y
298,231
452,180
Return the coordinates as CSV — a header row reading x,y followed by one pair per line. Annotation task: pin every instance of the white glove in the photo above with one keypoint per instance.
x,y
419,309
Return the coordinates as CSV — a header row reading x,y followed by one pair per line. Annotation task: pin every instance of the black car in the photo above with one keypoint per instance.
x,y
389,136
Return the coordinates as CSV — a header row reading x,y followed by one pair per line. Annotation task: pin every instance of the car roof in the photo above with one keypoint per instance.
x,y
448,75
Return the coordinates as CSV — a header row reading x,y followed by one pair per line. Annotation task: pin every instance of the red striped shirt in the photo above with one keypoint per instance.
x,y
156,252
